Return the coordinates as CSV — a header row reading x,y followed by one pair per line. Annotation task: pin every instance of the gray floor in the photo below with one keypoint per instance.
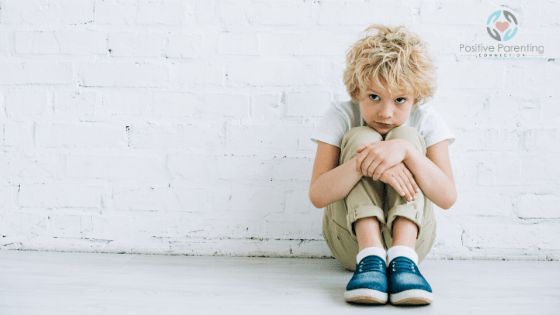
x,y
34,282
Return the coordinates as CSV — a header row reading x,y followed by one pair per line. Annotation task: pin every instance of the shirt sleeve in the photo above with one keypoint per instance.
x,y
331,127
437,130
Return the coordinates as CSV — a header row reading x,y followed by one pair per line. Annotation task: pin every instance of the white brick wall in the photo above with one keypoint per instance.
x,y
169,126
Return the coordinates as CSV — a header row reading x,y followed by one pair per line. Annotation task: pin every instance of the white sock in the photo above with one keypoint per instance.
x,y
401,250
377,251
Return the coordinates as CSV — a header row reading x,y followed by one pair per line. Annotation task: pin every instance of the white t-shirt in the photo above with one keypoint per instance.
x,y
343,116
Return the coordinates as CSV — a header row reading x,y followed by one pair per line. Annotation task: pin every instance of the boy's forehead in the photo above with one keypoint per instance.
x,y
378,86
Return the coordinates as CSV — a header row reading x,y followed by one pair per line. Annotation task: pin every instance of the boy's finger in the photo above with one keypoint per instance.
x,y
374,165
411,179
416,188
379,170
412,182
409,186
397,186
359,162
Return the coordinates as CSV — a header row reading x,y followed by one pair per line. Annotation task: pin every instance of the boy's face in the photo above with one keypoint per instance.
x,y
382,111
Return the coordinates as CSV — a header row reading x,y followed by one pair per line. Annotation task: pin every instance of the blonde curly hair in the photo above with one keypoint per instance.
x,y
394,58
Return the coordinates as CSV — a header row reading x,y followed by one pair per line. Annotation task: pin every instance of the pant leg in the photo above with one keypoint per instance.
x,y
419,211
343,247
364,200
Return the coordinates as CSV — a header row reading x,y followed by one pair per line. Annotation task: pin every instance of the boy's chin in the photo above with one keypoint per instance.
x,y
381,131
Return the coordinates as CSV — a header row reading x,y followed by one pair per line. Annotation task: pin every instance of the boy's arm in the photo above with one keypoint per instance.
x,y
433,173
330,181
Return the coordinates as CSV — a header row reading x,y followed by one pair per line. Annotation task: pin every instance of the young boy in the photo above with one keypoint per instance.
x,y
382,159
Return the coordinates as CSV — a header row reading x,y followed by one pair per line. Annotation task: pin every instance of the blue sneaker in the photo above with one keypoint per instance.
x,y
406,283
369,282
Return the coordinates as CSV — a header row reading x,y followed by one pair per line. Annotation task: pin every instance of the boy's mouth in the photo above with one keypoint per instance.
x,y
383,125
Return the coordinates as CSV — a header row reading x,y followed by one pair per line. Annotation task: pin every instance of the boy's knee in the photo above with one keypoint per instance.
x,y
407,133
401,132
358,136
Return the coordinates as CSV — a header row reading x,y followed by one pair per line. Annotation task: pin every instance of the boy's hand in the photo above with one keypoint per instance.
x,y
373,159
402,181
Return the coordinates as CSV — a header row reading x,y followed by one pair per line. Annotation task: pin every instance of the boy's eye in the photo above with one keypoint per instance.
x,y
374,97
400,100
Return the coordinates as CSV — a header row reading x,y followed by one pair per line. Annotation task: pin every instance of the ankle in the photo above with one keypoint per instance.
x,y
401,250
368,232
368,251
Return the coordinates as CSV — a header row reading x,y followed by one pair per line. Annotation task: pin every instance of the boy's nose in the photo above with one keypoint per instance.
x,y
386,111
385,114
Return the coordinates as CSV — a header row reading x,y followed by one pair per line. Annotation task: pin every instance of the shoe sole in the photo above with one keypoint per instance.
x,y
412,297
365,296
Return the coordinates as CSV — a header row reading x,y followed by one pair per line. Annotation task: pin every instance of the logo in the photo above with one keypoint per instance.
x,y
502,25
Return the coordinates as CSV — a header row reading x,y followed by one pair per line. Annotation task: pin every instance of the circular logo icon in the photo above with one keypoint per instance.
x,y
502,25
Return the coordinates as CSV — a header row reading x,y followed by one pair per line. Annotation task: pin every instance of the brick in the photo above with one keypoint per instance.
x,y
453,13
326,43
60,42
539,168
261,138
539,140
35,72
489,202
123,74
173,105
232,13
467,74
363,13
281,72
266,107
533,77
116,166
307,104
23,104
5,42
279,43
192,197
8,193
162,12
116,12
280,13
226,197
488,139
82,135
194,136
200,73
537,206
499,233
222,105
73,105
245,44
59,12
64,225
18,134
29,165
137,44
297,199
499,168
60,195
124,103
138,197
181,45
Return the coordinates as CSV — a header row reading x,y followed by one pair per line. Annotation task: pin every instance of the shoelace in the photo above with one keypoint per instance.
x,y
403,265
371,264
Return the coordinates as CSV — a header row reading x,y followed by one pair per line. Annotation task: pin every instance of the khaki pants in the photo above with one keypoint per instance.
x,y
369,198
